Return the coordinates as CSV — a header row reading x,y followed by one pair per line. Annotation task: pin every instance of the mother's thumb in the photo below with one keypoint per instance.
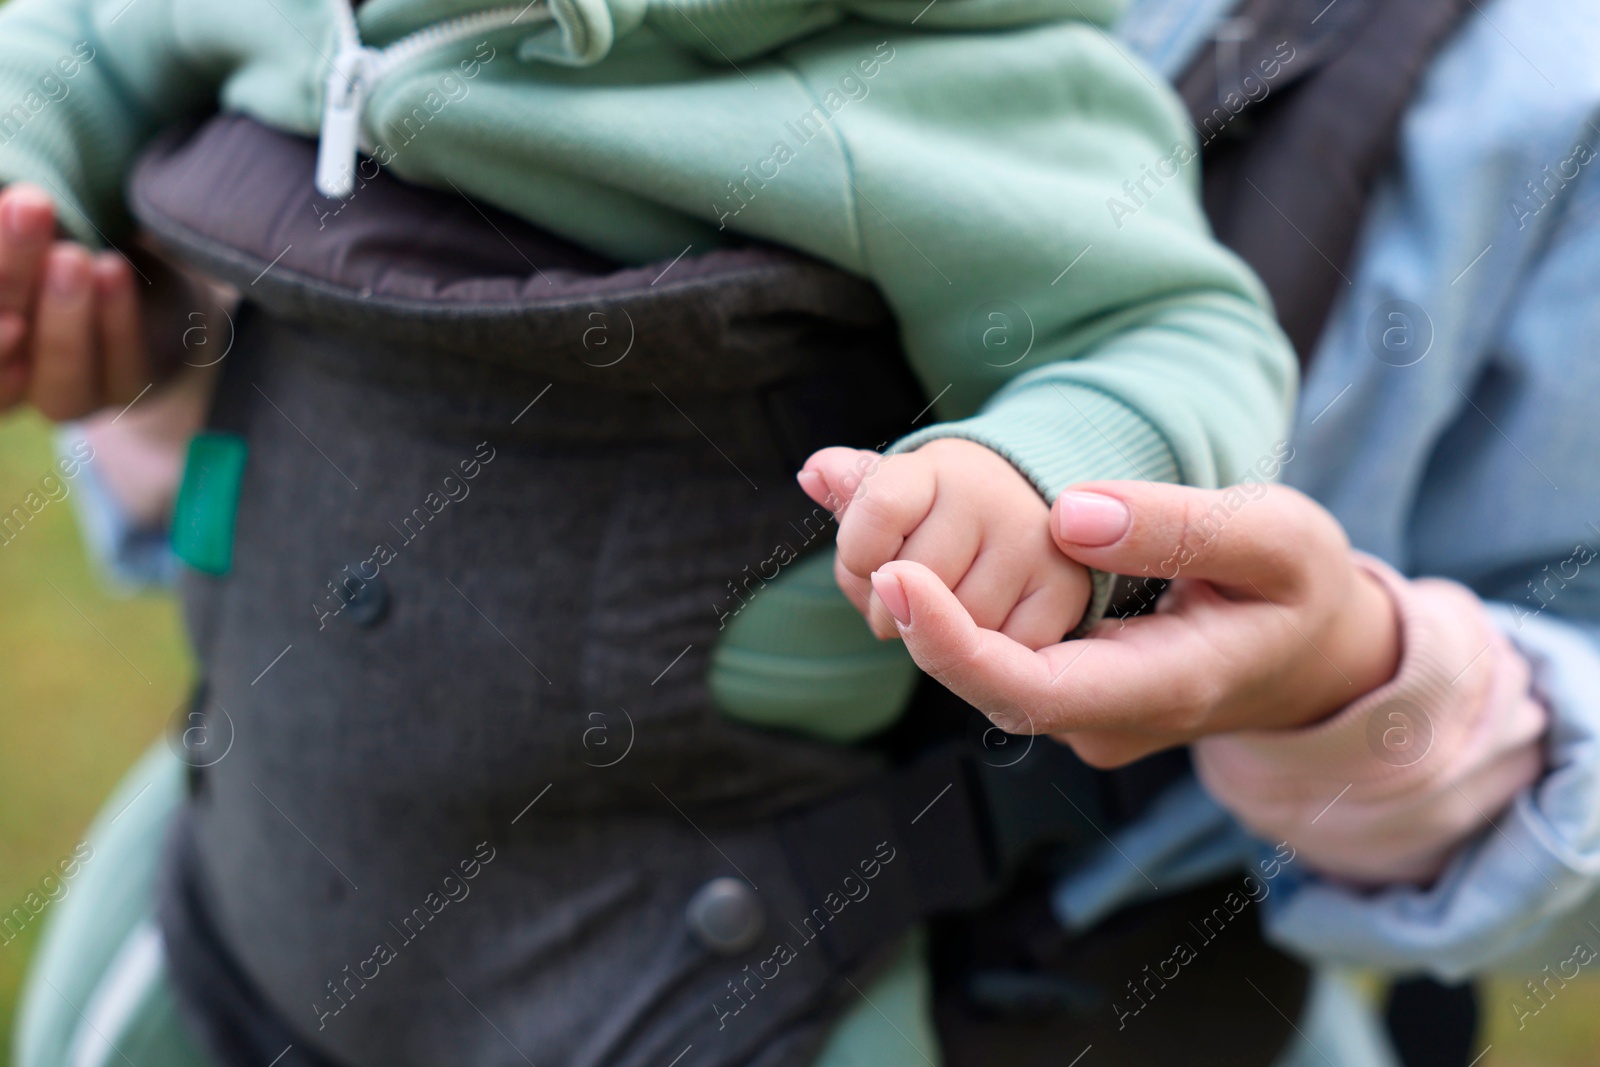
x,y
1259,538
936,628
988,670
940,633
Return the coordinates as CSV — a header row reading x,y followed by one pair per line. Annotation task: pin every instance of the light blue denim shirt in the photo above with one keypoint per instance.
x,y
130,557
1481,461
1456,434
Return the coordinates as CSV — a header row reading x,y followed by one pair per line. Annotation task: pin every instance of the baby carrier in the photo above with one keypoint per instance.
x,y
412,832
443,660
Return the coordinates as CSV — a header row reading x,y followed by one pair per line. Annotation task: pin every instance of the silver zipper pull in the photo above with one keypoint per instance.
x,y
340,138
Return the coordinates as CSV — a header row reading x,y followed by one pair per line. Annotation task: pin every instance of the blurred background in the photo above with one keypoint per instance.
x,y
90,678
74,713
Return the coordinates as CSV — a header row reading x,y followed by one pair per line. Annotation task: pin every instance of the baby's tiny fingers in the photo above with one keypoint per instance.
x,y
999,677
894,503
1047,613
832,476
856,589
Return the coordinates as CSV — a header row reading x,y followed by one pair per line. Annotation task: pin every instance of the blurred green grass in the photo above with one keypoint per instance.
x,y
74,714
1564,1034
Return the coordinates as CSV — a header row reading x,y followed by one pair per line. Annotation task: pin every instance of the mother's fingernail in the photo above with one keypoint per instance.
x,y
1005,721
893,594
1091,519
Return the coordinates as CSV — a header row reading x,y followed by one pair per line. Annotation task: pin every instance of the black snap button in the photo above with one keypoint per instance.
x,y
725,916
366,600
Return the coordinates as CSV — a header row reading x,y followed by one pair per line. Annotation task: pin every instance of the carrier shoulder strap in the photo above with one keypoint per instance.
x,y
1297,105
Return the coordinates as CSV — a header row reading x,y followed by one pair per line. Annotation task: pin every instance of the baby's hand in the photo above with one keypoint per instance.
x,y
968,515
71,333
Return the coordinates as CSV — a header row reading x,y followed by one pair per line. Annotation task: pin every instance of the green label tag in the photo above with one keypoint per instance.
x,y
208,502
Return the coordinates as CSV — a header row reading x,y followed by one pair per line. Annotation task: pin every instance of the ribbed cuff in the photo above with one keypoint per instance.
x,y
1060,433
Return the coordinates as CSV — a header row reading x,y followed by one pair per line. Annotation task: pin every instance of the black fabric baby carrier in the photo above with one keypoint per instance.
x,y
493,482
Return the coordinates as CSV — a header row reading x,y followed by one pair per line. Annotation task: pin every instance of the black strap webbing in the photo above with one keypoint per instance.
x,y
942,835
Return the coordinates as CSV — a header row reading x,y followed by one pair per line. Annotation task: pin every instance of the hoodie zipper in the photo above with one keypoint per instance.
x,y
357,67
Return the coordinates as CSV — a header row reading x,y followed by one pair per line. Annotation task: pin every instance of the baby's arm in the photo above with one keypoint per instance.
x,y
1027,202
83,85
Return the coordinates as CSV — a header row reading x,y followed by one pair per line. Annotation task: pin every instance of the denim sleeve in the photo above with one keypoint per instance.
x,y
128,556
1525,886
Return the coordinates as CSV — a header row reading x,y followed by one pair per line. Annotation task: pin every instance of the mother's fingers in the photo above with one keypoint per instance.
x,y
1093,683
1158,677
1265,540
990,671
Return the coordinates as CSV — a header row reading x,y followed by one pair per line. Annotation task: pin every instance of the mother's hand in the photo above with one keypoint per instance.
x,y
1268,623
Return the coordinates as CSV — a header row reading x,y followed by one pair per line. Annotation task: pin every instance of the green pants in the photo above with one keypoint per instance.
x,y
97,991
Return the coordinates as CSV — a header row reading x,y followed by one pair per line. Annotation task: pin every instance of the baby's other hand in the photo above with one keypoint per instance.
x,y
965,513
